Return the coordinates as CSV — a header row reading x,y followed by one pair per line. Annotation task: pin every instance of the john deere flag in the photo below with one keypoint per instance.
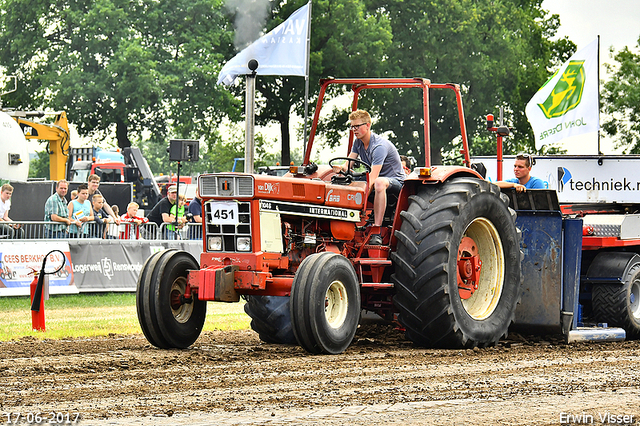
x,y
282,51
567,104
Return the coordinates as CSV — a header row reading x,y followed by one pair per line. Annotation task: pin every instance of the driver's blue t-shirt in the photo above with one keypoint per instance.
x,y
532,183
380,152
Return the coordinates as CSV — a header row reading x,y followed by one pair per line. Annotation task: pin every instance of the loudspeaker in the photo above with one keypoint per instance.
x,y
184,150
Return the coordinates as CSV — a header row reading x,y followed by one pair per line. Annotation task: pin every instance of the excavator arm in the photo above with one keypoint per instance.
x,y
56,135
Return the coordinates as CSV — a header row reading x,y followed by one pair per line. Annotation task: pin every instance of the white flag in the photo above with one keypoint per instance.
x,y
282,51
567,104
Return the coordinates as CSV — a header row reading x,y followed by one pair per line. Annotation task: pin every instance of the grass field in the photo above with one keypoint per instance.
x,y
84,315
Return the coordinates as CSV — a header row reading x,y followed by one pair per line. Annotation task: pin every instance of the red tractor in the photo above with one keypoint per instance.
x,y
296,248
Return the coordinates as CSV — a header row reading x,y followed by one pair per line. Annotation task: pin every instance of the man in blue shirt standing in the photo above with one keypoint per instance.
x,y
523,179
387,174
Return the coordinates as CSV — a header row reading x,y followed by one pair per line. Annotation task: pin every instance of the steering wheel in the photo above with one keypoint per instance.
x,y
349,172
346,177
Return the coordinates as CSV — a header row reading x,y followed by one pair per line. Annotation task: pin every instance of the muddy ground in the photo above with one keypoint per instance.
x,y
233,378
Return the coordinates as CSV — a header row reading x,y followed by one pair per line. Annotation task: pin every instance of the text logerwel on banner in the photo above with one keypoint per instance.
x,y
567,104
282,51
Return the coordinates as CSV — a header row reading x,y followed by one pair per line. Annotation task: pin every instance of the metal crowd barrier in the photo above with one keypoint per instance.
x,y
34,230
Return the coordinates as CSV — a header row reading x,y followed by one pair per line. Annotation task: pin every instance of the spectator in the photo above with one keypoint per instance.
x,y
195,216
177,211
113,229
133,222
93,182
12,230
74,194
161,212
56,210
406,164
81,210
101,218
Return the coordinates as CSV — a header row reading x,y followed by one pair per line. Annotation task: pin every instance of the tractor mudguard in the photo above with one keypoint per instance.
x,y
610,267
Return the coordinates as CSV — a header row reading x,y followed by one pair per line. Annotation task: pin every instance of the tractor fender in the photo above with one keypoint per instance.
x,y
610,267
444,173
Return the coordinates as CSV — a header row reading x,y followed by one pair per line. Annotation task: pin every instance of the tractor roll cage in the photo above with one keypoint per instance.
x,y
359,84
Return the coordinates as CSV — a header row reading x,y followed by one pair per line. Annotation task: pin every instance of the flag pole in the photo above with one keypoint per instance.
x,y
599,152
306,85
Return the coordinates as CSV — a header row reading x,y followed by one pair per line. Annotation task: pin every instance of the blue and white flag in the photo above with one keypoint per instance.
x,y
282,51
567,104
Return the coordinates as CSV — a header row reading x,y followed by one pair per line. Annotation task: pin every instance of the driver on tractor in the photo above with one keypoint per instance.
x,y
387,175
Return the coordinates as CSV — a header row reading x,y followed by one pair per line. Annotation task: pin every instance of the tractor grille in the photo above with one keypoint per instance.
x,y
226,186
228,234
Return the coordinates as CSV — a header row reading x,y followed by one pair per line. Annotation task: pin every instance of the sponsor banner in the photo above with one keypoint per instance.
x,y
115,265
580,179
310,210
91,265
18,260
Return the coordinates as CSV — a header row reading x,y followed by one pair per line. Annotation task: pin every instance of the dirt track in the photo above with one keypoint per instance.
x,y
232,378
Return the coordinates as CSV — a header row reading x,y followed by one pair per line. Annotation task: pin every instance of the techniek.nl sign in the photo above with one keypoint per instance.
x,y
586,179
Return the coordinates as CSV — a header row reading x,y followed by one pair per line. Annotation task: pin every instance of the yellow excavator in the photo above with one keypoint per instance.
x,y
56,135
12,139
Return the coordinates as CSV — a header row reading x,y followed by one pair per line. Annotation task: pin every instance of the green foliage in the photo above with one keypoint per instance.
x,y
621,100
346,39
120,68
39,166
144,72
499,52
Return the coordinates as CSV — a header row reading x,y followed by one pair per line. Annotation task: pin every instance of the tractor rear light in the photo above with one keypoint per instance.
x,y
424,171
214,243
293,170
243,244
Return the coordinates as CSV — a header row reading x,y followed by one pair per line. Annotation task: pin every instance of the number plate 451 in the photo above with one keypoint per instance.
x,y
224,213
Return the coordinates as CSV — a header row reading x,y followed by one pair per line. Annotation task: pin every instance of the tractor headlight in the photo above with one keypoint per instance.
x,y
243,244
215,243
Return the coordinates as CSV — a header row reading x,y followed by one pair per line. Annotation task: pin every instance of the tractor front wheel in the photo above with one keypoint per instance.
x,y
169,319
325,303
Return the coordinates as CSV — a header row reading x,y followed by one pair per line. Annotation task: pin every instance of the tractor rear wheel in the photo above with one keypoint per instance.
x,y
271,318
457,265
167,318
619,305
325,303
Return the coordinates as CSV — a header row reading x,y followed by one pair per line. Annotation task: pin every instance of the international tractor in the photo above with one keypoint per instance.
x,y
296,248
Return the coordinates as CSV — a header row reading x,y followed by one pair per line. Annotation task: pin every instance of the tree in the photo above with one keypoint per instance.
x,y
499,52
39,166
119,68
345,39
621,100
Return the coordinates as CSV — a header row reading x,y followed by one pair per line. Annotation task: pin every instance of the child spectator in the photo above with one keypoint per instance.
x,y
12,230
113,231
179,207
81,211
74,194
132,222
101,218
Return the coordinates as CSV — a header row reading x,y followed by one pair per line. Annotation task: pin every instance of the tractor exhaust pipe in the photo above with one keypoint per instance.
x,y
250,102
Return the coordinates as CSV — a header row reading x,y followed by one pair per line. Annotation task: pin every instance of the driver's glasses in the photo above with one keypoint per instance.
x,y
356,126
